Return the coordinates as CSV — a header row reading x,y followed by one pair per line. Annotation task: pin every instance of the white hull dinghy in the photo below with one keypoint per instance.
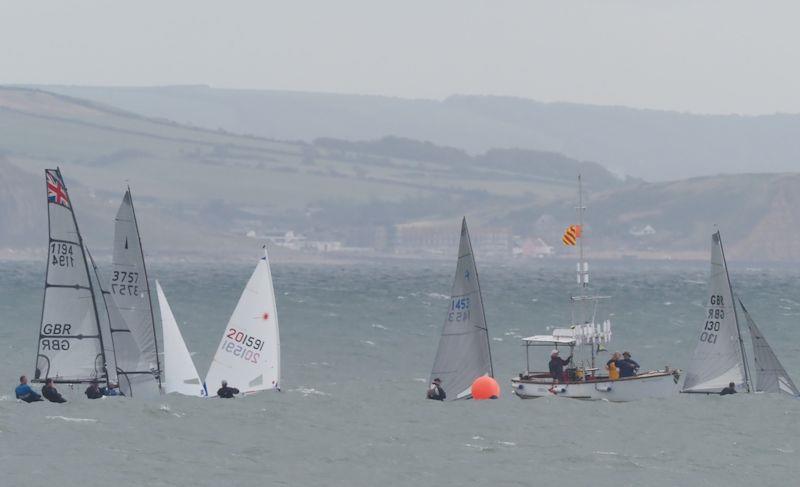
x,y
249,354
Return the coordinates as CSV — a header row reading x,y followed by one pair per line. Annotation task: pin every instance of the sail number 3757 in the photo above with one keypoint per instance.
x,y
125,283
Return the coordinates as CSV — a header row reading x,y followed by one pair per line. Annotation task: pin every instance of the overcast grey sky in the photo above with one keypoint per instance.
x,y
716,56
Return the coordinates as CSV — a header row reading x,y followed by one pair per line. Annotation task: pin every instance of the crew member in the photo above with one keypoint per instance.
x,y
112,390
93,391
557,365
627,366
435,391
731,389
226,392
614,365
50,392
24,392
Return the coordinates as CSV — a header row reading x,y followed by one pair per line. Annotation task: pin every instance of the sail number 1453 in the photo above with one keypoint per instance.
x,y
459,309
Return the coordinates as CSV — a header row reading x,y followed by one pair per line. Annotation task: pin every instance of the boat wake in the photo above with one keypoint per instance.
x,y
73,420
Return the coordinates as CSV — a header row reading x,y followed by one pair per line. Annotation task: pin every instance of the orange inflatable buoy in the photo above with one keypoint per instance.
x,y
485,387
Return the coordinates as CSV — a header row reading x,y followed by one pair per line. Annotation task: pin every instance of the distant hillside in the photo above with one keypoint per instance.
x,y
649,144
203,190
200,192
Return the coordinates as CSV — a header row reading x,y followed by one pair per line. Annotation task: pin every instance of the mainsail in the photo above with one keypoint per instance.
x,y
180,374
770,374
249,354
130,307
719,355
463,353
70,346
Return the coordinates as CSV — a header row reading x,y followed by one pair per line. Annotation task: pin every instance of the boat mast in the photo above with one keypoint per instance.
x,y
736,319
582,270
89,278
478,284
149,297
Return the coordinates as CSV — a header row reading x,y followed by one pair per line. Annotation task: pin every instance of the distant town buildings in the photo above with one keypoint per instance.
x,y
417,239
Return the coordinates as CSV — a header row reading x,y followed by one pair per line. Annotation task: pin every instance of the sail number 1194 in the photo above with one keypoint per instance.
x,y
62,254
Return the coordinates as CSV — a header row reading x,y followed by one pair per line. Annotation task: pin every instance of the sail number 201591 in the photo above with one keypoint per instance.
x,y
242,345
459,309
62,254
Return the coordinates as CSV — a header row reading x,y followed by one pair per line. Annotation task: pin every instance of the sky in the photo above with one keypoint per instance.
x,y
698,56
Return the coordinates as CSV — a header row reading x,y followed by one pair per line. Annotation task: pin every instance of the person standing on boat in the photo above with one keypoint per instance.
x,y
50,392
435,391
226,392
24,392
557,365
731,389
627,366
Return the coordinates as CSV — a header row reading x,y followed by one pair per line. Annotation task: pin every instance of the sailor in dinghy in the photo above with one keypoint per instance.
x,y
464,353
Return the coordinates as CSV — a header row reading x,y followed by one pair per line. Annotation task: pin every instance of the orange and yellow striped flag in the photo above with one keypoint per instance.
x,y
571,235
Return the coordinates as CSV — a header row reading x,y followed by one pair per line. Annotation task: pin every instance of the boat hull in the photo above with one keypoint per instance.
x,y
656,384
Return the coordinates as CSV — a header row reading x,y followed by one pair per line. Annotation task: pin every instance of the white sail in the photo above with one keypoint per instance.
x,y
70,345
133,327
770,374
249,354
180,374
718,357
463,354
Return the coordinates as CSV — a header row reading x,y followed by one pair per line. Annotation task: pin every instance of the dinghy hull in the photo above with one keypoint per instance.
x,y
654,384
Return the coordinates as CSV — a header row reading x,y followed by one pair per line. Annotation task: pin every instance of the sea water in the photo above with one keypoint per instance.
x,y
358,342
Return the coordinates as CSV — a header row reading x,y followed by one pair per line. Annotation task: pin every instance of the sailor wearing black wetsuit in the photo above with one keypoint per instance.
x,y
731,389
94,391
50,392
226,392
436,392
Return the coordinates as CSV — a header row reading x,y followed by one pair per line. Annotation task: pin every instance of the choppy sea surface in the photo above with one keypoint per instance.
x,y
358,342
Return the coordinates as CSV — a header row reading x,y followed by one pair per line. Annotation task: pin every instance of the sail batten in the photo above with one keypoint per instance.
x,y
718,357
770,374
464,353
248,356
70,346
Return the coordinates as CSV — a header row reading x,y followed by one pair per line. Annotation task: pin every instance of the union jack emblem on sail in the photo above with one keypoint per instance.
x,y
56,191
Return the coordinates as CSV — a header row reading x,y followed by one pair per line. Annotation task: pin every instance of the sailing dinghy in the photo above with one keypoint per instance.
x,y
74,344
719,356
584,380
463,354
249,354
180,374
130,307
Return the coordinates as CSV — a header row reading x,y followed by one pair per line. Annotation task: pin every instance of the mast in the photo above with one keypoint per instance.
x,y
582,271
149,297
483,311
88,275
736,319
103,293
